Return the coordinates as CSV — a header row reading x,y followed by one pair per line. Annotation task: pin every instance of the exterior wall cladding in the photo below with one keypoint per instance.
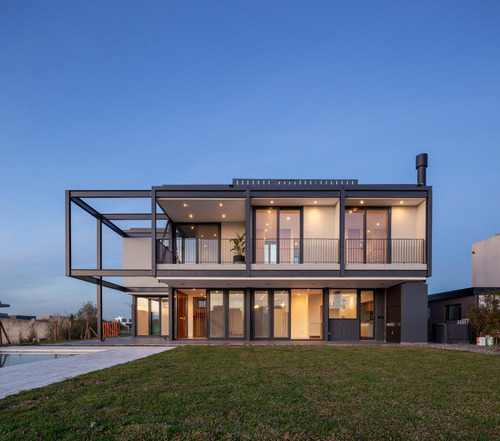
x,y
319,259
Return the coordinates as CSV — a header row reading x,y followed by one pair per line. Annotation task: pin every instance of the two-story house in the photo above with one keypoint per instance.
x,y
320,259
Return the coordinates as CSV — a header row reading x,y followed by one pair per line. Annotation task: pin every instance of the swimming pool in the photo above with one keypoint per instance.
x,y
14,358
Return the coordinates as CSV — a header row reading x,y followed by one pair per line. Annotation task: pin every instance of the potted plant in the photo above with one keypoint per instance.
x,y
238,248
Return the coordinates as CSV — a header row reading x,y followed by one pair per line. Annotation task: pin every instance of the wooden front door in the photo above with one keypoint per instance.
x,y
181,315
199,317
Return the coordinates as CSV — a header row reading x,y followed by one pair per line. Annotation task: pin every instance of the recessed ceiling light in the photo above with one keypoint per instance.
x,y
350,211
192,228
220,205
315,202
272,202
190,215
223,215
268,211
361,202
185,205
401,202
215,235
288,218
378,223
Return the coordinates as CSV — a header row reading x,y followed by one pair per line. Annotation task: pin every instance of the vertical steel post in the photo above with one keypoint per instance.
x,y
153,232
248,234
68,232
99,283
342,232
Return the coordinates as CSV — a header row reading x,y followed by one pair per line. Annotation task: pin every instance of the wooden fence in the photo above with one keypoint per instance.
x,y
110,329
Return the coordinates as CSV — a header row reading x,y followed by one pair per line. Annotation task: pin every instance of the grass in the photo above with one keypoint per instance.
x,y
269,392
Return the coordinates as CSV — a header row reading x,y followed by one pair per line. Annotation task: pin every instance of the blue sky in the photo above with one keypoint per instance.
x,y
130,94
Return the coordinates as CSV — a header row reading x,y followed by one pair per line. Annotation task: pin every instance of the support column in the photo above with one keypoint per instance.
x,y
248,234
342,232
248,312
153,232
325,314
170,313
133,314
99,310
68,233
99,283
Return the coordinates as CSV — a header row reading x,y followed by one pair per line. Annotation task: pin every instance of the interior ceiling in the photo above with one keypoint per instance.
x,y
385,202
190,283
293,202
204,210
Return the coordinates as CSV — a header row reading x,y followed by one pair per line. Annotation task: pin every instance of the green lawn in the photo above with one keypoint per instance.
x,y
270,392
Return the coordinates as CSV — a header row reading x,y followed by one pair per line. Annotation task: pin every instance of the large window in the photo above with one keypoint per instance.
x,y
217,316
342,304
164,317
277,235
148,316
307,317
366,235
281,314
236,314
261,314
454,312
198,243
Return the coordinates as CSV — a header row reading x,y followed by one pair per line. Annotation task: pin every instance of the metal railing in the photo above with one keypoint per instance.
x,y
293,250
296,250
189,250
385,251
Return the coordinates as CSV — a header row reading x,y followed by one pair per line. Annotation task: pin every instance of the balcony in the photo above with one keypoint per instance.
x,y
289,251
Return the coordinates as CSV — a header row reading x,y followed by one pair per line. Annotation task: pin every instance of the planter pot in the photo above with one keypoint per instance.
x,y
238,259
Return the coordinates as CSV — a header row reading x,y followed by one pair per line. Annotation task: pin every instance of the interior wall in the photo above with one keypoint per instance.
x,y
228,231
306,314
320,222
189,317
421,220
404,223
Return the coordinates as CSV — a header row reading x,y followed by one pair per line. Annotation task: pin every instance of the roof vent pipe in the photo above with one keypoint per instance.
x,y
421,165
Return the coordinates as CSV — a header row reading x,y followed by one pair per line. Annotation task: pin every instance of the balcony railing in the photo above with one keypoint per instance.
x,y
294,251
193,250
385,251
289,250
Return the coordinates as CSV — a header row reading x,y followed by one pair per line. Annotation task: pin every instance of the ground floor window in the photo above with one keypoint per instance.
x,y
307,314
148,316
342,304
191,313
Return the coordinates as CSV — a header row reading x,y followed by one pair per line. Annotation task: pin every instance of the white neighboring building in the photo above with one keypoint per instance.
x,y
124,321
485,262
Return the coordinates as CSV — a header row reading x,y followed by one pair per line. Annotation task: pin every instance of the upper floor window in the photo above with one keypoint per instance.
x,y
367,235
278,235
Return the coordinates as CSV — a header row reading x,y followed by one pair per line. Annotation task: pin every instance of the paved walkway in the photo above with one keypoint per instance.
x,y
14,379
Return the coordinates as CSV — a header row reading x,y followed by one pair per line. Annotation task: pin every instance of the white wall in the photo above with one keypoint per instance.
x,y
228,231
421,220
485,263
404,223
137,255
321,222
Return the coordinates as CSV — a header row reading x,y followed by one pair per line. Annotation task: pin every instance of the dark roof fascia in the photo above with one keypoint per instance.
x,y
465,292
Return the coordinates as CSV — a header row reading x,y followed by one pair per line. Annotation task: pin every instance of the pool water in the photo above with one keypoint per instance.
x,y
11,359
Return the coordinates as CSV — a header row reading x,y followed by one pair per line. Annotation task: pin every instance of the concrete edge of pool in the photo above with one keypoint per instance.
x,y
37,374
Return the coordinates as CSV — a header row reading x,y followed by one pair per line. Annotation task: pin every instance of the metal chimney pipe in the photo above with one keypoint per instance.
x,y
421,165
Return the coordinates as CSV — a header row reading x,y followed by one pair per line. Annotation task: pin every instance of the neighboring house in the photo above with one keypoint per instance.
x,y
124,321
324,259
451,307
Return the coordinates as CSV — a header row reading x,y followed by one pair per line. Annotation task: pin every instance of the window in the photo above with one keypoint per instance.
x,y
277,235
342,304
281,314
454,312
236,314
217,316
261,314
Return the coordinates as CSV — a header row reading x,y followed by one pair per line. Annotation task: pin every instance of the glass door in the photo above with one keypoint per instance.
x,y
367,315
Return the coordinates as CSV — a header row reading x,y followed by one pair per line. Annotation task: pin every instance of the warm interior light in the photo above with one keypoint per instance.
x,y
192,228
361,202
215,235
288,218
268,211
256,307
223,215
401,202
368,231
378,223
190,215
185,205
202,235
267,225
220,205
282,305
350,211
315,202
272,202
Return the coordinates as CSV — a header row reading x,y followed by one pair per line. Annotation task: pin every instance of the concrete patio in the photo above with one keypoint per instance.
x,y
14,379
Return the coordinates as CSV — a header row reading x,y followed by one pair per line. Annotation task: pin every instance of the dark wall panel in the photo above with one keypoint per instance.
x,y
414,312
343,330
380,315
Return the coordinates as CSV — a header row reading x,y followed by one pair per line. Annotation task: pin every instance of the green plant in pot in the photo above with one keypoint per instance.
x,y
239,248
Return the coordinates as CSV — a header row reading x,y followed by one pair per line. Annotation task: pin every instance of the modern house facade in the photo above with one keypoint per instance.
x,y
320,259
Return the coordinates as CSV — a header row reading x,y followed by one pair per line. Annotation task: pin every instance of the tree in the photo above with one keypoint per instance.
x,y
485,316
85,317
